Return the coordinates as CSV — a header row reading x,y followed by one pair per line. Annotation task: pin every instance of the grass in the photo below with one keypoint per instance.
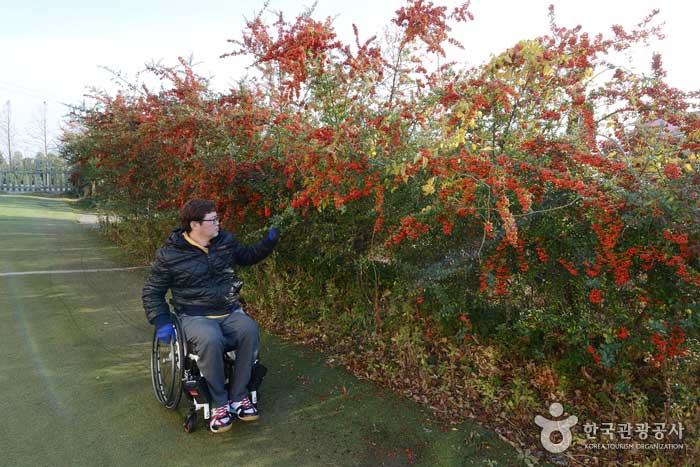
x,y
76,388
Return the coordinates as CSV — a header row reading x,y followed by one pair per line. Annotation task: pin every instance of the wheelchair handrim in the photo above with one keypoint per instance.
x,y
169,398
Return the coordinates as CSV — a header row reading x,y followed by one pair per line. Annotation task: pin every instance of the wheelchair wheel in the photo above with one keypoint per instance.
x,y
167,368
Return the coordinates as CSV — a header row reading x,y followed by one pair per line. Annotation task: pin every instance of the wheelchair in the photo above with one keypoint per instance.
x,y
174,372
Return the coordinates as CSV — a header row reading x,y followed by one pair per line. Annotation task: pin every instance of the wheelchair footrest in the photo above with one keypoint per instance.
x,y
197,389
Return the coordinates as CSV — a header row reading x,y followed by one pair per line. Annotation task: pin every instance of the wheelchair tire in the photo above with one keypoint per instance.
x,y
168,368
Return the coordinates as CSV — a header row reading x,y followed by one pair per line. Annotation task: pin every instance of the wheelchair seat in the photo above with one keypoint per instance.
x,y
174,372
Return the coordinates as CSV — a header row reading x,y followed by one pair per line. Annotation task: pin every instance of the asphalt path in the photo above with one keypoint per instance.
x,y
75,380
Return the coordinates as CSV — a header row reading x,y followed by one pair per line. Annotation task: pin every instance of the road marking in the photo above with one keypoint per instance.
x,y
60,250
69,271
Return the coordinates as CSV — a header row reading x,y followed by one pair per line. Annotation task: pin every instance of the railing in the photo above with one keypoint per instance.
x,y
34,178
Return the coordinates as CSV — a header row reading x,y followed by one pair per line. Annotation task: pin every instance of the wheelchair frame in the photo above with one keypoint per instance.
x,y
174,371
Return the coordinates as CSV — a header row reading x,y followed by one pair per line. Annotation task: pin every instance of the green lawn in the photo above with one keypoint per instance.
x,y
76,388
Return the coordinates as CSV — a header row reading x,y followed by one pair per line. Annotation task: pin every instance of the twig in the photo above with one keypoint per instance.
x,y
574,201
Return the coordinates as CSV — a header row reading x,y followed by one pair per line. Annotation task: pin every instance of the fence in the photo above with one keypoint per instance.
x,y
34,177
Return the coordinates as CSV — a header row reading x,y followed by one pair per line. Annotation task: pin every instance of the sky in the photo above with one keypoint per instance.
x,y
53,51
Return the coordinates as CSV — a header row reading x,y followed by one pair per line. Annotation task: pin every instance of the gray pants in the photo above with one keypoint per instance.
x,y
211,337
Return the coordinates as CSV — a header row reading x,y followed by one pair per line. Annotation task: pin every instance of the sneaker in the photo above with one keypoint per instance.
x,y
221,420
244,410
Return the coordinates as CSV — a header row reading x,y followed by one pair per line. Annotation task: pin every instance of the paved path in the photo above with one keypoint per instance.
x,y
75,387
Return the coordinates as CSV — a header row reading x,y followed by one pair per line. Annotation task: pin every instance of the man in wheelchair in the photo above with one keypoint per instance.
x,y
197,264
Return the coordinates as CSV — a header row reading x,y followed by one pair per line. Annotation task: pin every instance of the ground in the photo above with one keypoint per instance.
x,y
76,387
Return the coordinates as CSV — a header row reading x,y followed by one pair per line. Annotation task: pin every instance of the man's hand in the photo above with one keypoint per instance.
x,y
166,333
273,235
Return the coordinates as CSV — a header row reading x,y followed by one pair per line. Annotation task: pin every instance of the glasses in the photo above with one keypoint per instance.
x,y
215,220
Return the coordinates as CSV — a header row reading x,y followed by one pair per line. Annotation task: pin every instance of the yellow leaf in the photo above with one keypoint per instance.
x,y
429,188
422,159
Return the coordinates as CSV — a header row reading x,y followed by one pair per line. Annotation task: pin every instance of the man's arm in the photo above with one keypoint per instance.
x,y
249,255
153,294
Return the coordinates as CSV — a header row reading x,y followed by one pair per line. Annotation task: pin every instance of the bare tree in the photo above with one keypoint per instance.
x,y
7,130
38,132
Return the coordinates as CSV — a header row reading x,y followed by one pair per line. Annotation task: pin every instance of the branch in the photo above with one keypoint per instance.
x,y
574,201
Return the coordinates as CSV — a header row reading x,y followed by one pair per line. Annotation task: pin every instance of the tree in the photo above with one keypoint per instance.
x,y
7,130
17,158
38,132
524,195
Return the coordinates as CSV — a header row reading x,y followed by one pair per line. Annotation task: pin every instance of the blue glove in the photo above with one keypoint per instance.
x,y
166,333
273,235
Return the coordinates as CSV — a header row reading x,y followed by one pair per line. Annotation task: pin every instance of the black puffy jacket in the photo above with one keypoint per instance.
x,y
201,283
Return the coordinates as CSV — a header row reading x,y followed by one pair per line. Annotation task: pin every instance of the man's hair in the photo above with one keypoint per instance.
x,y
195,210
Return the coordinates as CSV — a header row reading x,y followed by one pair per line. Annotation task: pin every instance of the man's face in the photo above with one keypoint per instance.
x,y
207,227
